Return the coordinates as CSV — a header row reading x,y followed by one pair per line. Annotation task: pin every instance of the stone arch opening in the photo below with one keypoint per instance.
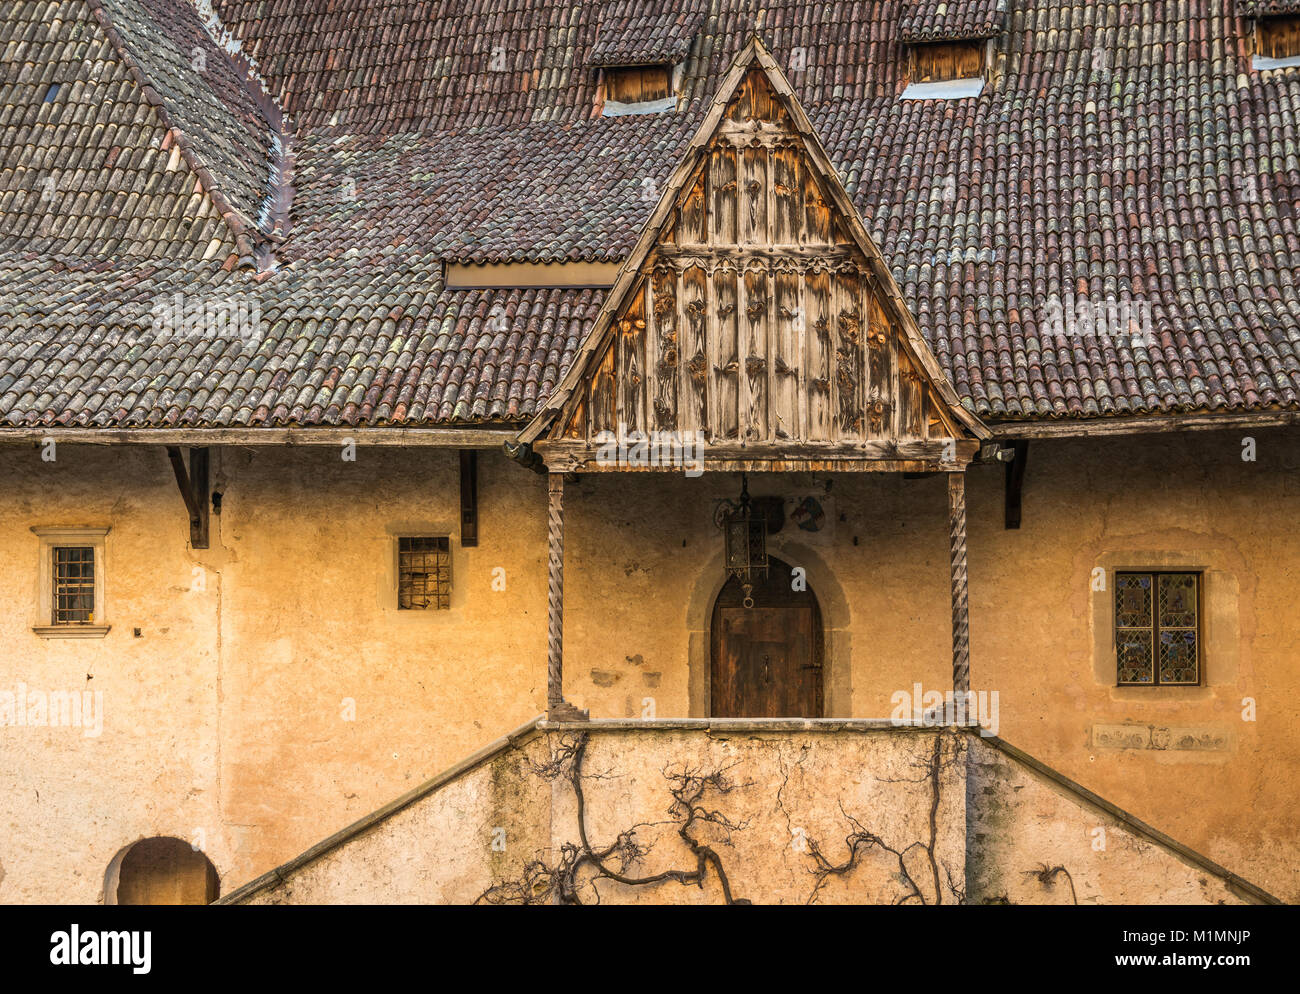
x,y
161,871
836,627
766,650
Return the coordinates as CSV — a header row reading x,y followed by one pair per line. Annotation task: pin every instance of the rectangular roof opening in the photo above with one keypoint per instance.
x,y
945,69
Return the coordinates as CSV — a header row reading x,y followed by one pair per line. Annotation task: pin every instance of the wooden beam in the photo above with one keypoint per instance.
x,y
957,568
955,451
447,438
1094,427
468,497
1015,483
557,708
193,485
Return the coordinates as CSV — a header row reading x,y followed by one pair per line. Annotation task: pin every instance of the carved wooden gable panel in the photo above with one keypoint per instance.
x,y
755,316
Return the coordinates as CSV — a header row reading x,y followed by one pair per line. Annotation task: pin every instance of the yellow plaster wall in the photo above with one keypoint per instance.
x,y
224,719
645,566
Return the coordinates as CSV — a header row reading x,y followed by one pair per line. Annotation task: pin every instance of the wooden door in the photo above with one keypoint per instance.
x,y
766,660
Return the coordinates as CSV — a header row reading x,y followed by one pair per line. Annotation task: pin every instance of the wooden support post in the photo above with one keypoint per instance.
x,y
557,708
193,485
468,497
1015,483
960,602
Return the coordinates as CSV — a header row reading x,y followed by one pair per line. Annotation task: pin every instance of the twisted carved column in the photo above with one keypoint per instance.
x,y
557,708
957,563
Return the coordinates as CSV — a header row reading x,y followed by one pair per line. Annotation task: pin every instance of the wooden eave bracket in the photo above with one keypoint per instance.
x,y
1015,483
193,485
468,497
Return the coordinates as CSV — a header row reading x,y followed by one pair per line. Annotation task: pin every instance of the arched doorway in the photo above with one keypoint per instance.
x,y
766,661
161,871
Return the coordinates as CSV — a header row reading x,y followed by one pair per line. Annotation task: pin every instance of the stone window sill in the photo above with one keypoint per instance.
x,y
71,631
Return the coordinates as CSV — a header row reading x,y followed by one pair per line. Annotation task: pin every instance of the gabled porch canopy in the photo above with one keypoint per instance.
x,y
755,324
753,328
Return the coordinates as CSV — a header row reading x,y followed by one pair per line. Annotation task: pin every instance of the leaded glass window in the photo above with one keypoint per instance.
x,y
424,573
1157,629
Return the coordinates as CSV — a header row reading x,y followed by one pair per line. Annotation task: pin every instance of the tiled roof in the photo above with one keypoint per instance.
x,y
944,20
346,343
632,32
87,166
580,191
1264,8
1120,150
197,90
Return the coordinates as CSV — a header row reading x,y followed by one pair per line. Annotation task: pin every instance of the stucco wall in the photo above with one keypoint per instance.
x,y
774,807
1033,841
645,566
449,847
225,719
677,812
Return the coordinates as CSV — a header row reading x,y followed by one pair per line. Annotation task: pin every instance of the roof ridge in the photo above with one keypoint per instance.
x,y
234,220
254,237
273,218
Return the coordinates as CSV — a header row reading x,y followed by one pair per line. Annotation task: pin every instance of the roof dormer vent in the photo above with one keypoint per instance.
x,y
949,45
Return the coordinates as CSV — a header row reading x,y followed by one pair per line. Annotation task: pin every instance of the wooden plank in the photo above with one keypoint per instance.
x,y
697,255
910,412
468,497
787,361
880,354
754,197
820,361
938,61
601,401
577,425
848,355
1015,484
787,196
722,189
762,105
693,408
754,348
931,452
667,357
816,213
448,438
693,228
724,392
632,364
1154,425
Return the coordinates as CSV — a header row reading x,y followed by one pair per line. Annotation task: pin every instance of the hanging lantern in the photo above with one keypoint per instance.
x,y
746,544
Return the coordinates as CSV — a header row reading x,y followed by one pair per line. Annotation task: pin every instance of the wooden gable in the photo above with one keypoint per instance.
x,y
755,310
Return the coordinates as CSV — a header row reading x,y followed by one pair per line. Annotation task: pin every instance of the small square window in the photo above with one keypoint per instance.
x,y
74,585
424,573
72,570
1158,629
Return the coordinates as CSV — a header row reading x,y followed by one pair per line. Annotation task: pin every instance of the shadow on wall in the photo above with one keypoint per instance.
x,y
160,871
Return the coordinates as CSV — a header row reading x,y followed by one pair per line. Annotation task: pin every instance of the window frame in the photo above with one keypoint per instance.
x,y
955,88
1156,628
435,608
64,537
1264,26
914,51
610,107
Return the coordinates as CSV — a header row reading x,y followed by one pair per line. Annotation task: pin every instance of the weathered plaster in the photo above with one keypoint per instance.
x,y
789,813
224,717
